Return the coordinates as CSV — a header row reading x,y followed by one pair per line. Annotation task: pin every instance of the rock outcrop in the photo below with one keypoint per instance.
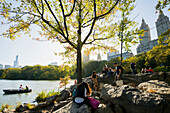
x,y
131,100
73,108
159,87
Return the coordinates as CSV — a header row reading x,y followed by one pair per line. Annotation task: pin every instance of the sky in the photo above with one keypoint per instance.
x,y
32,52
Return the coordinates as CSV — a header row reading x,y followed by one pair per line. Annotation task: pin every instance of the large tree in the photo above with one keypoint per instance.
x,y
70,21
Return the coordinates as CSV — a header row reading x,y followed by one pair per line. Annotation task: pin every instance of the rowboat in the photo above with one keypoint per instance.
x,y
15,91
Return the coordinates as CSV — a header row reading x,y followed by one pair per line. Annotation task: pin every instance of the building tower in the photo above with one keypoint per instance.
x,y
98,56
16,63
86,57
146,38
162,24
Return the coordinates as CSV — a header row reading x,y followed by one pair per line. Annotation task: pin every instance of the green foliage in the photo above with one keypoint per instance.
x,y
158,56
43,95
36,72
162,4
111,62
93,66
161,69
5,106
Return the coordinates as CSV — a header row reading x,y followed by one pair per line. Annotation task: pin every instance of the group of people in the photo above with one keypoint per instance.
x,y
150,70
83,89
21,88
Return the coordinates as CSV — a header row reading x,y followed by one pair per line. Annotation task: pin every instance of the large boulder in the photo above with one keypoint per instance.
x,y
64,95
73,108
158,87
132,100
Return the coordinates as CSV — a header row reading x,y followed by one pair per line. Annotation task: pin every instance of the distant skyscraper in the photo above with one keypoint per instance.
x,y
16,63
1,66
162,24
86,57
99,57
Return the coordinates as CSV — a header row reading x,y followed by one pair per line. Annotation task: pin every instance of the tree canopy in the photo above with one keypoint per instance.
x,y
69,21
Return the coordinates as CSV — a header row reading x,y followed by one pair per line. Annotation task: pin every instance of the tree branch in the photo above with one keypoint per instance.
x,y
72,9
65,24
54,16
92,23
102,16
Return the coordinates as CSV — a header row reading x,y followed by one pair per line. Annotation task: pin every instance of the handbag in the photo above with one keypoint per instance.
x,y
94,103
119,82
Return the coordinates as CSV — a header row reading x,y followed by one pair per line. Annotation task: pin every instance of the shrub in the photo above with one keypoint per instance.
x,y
161,69
43,95
5,106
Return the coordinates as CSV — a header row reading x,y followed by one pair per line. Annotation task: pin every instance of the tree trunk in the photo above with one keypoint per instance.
x,y
121,50
79,65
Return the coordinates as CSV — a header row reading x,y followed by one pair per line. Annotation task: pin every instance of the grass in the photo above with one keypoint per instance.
x,y
43,95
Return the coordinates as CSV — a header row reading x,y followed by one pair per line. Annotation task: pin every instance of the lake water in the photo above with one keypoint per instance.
x,y
37,86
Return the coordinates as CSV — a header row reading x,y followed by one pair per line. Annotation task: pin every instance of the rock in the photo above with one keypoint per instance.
x,y
60,104
96,93
133,100
119,109
103,108
73,108
51,99
158,87
22,108
64,95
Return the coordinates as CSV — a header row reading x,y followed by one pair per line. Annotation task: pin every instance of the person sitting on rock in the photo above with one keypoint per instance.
x,y
145,71
82,92
95,82
104,70
142,71
150,70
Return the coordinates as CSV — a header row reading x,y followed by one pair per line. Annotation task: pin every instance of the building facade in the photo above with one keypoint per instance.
x,y
7,66
115,54
1,66
146,44
162,24
86,57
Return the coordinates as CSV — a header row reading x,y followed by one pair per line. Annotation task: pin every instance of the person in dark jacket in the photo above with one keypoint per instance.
x,y
82,92
119,71
132,66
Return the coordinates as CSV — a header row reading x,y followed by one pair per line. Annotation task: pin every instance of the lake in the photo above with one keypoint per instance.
x,y
37,86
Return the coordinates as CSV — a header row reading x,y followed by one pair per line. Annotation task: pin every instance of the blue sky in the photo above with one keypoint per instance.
x,y
33,52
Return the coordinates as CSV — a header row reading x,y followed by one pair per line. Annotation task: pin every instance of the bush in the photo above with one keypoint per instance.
x,y
161,69
5,106
43,95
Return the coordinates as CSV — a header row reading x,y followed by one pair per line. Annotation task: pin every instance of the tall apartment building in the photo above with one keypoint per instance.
x,y
146,44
